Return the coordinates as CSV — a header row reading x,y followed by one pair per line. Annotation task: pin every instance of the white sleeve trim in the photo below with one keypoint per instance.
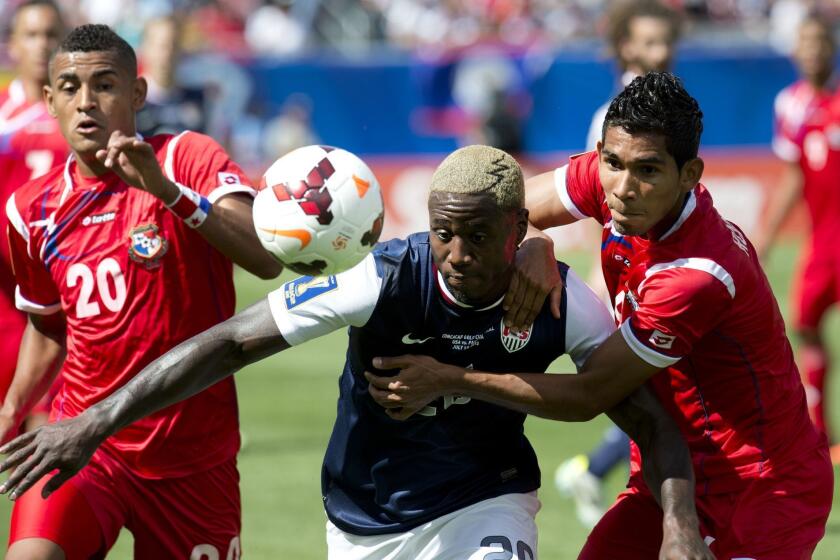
x,y
306,309
35,308
704,265
169,163
588,321
224,190
16,219
563,192
652,357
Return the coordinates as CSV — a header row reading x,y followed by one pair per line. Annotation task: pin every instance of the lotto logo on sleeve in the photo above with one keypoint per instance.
x,y
305,288
662,340
229,179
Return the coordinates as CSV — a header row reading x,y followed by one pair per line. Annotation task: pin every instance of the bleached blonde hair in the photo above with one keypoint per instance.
x,y
482,170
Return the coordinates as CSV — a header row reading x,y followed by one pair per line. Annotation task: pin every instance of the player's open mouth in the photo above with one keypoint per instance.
x,y
87,126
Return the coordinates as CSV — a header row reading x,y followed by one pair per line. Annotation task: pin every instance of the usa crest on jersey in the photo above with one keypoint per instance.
x,y
146,245
514,341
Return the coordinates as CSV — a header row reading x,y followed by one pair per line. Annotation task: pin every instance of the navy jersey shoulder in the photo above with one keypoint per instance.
x,y
385,476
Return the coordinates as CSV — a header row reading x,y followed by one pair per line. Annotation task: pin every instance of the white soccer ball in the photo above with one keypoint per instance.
x,y
319,210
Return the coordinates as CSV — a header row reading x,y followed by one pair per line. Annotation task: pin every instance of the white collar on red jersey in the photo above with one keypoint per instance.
x,y
688,208
448,296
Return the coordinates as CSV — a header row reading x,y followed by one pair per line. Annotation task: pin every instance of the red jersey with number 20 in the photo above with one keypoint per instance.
x,y
133,281
696,303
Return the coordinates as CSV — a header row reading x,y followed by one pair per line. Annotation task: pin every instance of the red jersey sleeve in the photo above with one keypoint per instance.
x,y
785,133
579,187
677,304
35,292
198,162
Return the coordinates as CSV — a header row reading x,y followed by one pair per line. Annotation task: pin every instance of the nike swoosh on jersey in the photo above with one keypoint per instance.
x,y
408,340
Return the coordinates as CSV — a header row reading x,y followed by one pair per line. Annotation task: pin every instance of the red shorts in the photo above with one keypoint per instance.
x,y
817,287
196,516
780,516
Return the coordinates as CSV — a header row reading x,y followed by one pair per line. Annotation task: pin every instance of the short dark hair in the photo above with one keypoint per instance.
x,y
623,12
658,103
96,37
32,4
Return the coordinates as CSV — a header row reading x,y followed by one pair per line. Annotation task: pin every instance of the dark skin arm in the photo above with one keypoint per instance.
x,y
610,375
187,369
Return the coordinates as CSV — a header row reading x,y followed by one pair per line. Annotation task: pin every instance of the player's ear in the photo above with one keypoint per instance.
x,y
141,87
47,94
521,225
691,173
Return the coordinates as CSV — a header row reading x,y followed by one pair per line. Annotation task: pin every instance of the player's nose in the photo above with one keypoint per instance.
x,y
459,254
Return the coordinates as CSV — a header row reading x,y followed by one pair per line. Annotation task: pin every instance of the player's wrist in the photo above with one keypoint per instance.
x,y
190,206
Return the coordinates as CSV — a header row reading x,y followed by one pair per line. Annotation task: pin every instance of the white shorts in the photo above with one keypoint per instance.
x,y
504,525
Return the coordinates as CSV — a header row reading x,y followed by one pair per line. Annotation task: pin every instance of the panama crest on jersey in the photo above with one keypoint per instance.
x,y
146,245
515,341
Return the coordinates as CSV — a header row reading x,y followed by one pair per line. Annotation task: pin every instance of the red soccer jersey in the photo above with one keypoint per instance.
x,y
696,303
30,144
133,281
807,131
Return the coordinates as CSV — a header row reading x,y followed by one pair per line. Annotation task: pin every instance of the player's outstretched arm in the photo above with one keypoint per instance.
x,y
668,472
788,193
610,375
535,276
190,367
228,227
40,356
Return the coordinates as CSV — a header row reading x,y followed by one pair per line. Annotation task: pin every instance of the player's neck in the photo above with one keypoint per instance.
x,y
820,81
89,166
33,90
665,224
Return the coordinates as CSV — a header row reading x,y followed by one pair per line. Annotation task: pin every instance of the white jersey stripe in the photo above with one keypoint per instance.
x,y
704,265
16,219
649,355
563,192
169,163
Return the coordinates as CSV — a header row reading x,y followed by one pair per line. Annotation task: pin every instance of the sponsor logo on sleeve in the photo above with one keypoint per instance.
x,y
306,288
662,340
515,341
146,245
410,339
229,179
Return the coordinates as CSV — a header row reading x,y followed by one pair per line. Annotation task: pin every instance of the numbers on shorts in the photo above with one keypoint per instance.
x,y
210,552
107,272
523,551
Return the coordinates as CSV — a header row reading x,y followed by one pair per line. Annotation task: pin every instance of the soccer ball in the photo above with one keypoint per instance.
x,y
319,210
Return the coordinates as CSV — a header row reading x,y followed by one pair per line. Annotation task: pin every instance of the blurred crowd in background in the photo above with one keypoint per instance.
x,y
292,27
196,54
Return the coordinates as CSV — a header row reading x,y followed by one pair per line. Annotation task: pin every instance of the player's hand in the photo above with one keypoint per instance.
x,y
683,543
535,277
421,380
66,446
134,161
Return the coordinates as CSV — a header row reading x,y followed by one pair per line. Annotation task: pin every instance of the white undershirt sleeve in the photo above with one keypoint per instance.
x,y
307,308
588,321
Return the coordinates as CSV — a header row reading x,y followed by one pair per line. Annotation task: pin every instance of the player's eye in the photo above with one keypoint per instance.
x,y
68,88
613,163
444,236
648,170
479,237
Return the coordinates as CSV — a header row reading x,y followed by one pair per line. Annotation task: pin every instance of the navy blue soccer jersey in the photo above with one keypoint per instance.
x,y
386,476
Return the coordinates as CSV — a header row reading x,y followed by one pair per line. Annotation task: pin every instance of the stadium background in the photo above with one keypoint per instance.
x,y
403,82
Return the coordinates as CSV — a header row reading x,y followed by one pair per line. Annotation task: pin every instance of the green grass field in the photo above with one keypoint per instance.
x,y
287,407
